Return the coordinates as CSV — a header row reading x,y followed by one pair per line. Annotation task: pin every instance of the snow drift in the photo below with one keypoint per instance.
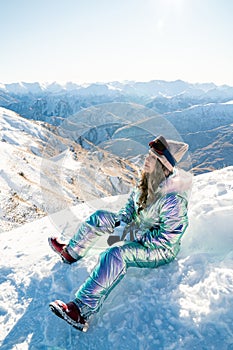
x,y
185,305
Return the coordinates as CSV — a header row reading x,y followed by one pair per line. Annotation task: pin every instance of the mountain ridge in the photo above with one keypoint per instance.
x,y
192,109
42,172
38,87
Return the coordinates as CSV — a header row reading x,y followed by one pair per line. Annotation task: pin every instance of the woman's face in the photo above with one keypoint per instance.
x,y
149,163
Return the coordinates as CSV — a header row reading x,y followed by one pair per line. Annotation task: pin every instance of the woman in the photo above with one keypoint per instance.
x,y
156,211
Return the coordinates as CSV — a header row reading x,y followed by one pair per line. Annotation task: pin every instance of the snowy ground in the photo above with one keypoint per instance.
x,y
185,305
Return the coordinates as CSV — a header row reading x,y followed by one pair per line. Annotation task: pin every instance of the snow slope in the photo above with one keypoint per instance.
x,y
185,305
41,172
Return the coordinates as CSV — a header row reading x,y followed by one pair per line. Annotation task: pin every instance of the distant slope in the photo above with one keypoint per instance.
x,y
102,114
125,129
42,172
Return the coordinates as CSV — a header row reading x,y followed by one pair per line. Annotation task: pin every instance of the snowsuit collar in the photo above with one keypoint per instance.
x,y
180,181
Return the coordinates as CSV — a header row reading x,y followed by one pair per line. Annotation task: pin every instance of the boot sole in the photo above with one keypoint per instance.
x,y
58,311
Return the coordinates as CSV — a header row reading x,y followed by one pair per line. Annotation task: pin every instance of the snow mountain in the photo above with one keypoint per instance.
x,y
42,172
42,101
53,175
202,114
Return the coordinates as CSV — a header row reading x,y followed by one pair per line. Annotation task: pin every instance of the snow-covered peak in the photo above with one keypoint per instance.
x,y
23,88
150,88
18,131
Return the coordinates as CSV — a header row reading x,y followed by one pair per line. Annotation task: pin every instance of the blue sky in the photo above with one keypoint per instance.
x,y
107,40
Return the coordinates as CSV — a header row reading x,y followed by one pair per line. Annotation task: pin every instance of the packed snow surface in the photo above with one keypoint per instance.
x,y
187,304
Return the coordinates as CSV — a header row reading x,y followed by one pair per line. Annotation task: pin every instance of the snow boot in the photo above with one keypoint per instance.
x,y
70,313
60,249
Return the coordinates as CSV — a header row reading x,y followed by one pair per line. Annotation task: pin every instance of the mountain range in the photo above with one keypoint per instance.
x,y
74,143
43,101
201,114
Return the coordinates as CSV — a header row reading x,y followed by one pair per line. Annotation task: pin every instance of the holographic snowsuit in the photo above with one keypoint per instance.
x,y
157,231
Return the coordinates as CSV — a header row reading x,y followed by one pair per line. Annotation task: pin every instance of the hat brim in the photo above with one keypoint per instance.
x,y
177,149
163,160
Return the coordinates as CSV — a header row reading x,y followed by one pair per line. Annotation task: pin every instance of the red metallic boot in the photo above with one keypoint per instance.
x,y
70,313
60,249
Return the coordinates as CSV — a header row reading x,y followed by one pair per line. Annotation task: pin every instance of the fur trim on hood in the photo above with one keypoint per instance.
x,y
180,181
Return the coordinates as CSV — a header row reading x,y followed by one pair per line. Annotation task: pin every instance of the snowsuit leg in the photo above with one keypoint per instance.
x,y
99,223
112,267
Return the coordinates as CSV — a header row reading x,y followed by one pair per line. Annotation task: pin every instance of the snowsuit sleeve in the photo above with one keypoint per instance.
x,y
172,223
128,213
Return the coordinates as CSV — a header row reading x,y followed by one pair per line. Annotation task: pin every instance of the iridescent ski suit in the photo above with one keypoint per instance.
x,y
157,231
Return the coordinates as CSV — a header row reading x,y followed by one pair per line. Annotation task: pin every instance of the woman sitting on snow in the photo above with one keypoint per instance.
x,y
156,211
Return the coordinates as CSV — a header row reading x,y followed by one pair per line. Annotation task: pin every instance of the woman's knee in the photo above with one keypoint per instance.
x,y
112,254
102,218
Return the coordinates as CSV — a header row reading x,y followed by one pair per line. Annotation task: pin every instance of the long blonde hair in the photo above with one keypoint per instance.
x,y
149,184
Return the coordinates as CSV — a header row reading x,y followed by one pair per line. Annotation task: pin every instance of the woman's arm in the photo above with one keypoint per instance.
x,y
172,223
128,212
